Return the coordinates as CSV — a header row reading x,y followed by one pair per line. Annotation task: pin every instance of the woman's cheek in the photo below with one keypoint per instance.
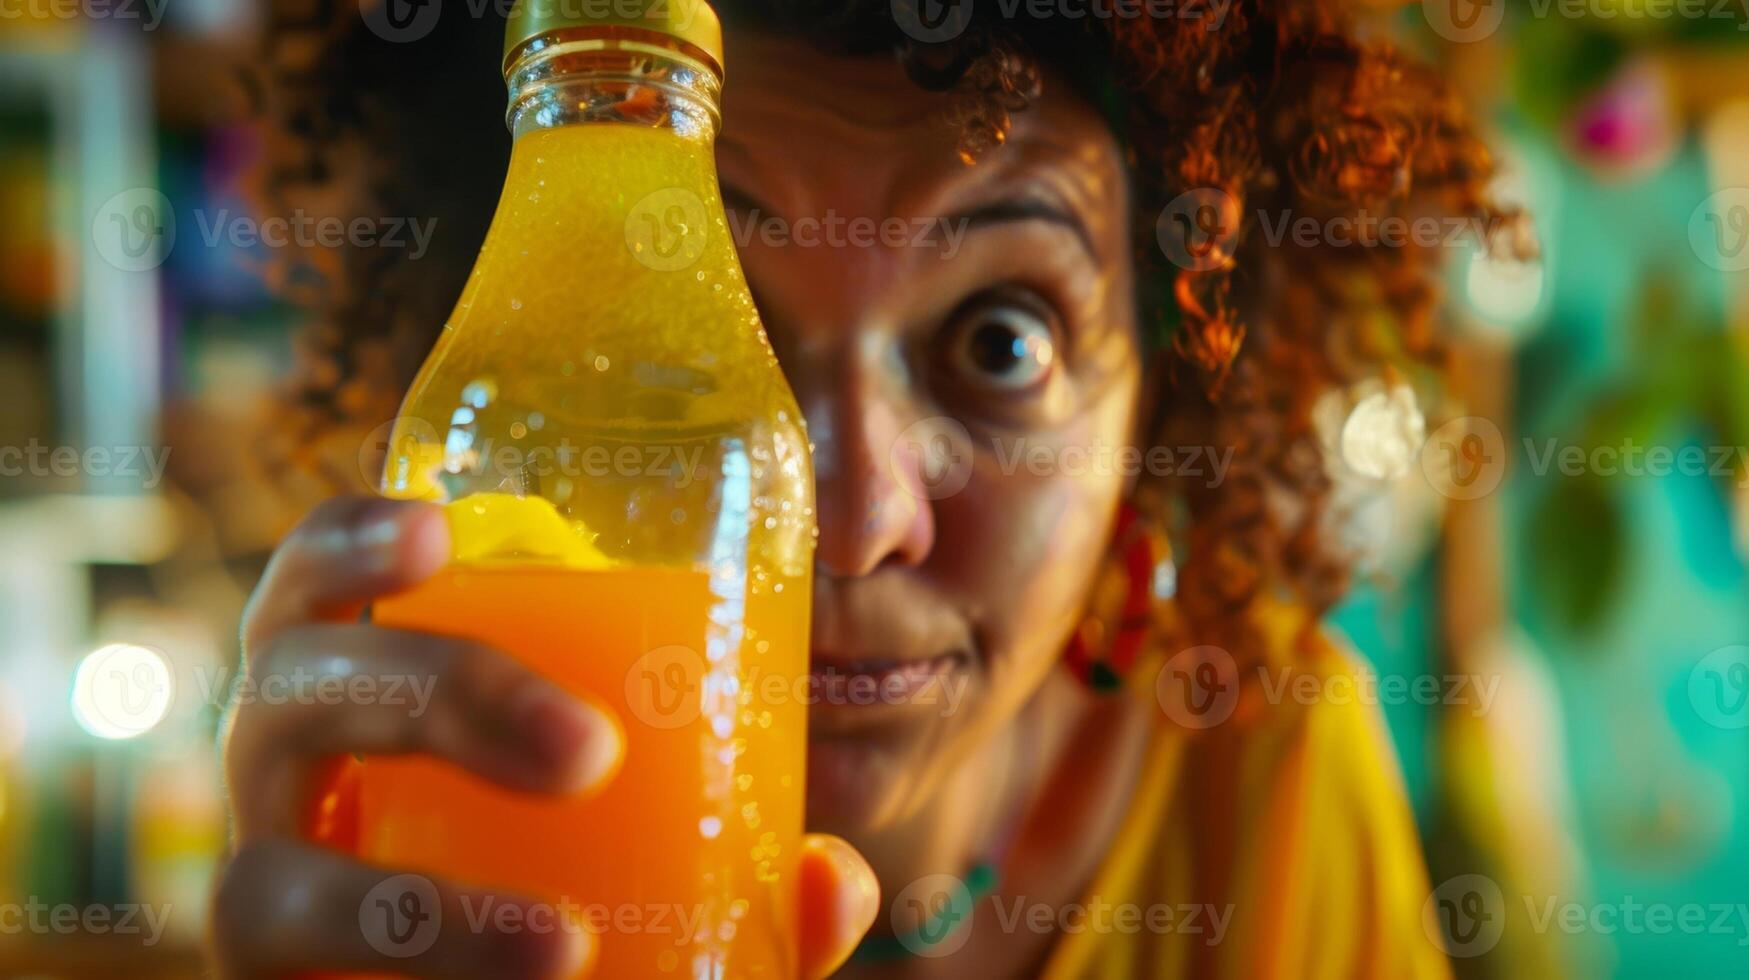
x,y
1019,545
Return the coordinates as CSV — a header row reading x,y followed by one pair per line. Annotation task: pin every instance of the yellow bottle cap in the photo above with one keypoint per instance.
x,y
690,21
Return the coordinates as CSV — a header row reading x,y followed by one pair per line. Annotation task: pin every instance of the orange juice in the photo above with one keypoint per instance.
x,y
631,502
667,862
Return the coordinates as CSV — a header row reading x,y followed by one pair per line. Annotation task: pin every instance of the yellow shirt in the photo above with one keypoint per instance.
x,y
1277,843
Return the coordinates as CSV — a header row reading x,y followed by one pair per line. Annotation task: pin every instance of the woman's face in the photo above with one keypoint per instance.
x,y
963,343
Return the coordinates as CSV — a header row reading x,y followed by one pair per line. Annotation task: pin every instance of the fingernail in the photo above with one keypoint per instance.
x,y
395,535
581,740
540,946
575,954
378,523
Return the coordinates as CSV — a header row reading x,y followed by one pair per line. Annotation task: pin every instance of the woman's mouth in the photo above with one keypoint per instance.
x,y
871,685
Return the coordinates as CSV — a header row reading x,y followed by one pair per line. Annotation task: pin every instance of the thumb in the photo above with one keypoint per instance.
x,y
839,897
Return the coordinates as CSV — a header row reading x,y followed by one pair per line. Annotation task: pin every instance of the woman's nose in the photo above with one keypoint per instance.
x,y
872,500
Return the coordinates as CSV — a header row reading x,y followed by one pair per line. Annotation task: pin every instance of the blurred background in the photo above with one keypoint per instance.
x,y
1606,775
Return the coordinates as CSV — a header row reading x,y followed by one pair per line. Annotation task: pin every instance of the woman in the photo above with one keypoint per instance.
x,y
1122,789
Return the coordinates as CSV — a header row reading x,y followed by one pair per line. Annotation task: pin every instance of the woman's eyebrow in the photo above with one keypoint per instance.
x,y
1028,209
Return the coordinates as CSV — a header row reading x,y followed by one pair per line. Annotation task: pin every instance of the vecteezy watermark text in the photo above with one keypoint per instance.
x,y
934,458
36,917
305,686
403,916
939,21
672,686
1198,688
835,230
403,21
150,13
1469,914
34,459
1466,21
135,230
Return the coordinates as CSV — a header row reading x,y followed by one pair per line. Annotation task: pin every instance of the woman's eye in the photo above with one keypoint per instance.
x,y
1004,347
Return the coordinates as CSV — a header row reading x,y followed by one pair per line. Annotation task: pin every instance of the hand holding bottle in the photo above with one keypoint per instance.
x,y
287,905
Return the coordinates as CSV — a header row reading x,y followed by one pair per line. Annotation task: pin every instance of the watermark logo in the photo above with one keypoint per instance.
x,y
1718,230
400,21
402,916
931,915
1465,915
665,687
1199,687
1198,230
135,229
665,230
1464,21
390,449
1718,688
1464,459
932,458
932,21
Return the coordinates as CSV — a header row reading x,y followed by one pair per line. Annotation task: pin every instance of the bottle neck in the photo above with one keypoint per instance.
x,y
580,76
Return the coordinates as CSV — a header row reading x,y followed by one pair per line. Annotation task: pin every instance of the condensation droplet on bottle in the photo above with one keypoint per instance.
x,y
536,420
678,516
601,362
762,646
710,827
770,523
701,275
778,587
516,304
518,430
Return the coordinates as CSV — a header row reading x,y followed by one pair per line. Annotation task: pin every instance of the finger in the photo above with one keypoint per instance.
x,y
840,898
285,908
348,551
324,690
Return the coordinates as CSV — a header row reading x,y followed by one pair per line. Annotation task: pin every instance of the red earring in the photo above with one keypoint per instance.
x,y
1137,574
